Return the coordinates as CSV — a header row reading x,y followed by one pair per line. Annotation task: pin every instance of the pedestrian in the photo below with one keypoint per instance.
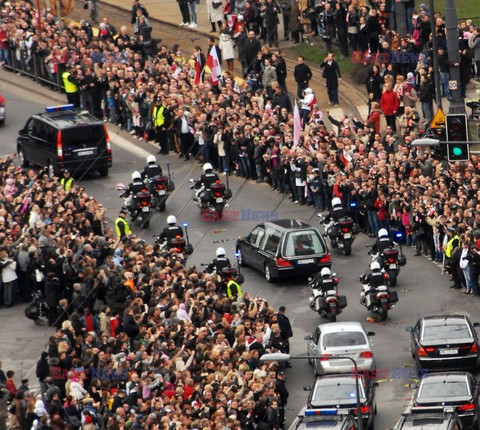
x,y
135,7
226,46
184,10
271,22
389,104
280,68
241,40
215,13
306,105
331,73
285,326
302,75
193,13
285,6
9,276
282,392
252,49
43,372
426,95
93,9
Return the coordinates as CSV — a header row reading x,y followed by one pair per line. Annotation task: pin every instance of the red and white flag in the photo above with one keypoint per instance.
x,y
198,70
53,67
214,65
346,158
297,125
232,21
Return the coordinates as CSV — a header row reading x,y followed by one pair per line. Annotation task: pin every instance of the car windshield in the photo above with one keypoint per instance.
x,y
303,242
446,331
344,338
439,388
329,392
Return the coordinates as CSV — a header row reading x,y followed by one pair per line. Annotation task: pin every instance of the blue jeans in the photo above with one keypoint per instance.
x,y
444,83
293,187
427,110
259,170
245,167
468,279
318,198
373,222
193,14
304,116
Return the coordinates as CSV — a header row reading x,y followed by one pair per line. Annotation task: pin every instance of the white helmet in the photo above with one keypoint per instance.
x,y
336,202
308,91
325,272
375,266
220,252
382,233
207,166
151,159
171,220
136,175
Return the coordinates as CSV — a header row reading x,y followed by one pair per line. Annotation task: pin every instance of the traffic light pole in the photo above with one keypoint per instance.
x,y
457,105
436,69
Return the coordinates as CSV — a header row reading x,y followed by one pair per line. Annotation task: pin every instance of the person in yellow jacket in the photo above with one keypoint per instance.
x,y
122,228
234,291
67,181
162,120
70,83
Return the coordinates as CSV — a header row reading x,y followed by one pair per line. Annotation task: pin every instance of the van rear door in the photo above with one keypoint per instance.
x,y
86,141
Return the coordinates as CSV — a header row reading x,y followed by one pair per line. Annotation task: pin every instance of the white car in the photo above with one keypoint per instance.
x,y
347,339
3,110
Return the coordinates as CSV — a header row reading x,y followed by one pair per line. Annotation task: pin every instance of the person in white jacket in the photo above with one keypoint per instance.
x,y
76,390
9,276
306,105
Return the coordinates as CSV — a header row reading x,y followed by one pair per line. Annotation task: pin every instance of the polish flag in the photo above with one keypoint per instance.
x,y
297,125
346,158
232,21
198,71
214,64
53,67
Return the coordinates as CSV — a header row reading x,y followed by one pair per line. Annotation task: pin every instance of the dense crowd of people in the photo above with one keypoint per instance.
x,y
177,354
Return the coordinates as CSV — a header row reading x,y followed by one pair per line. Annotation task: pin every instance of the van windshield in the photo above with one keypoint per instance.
x,y
89,136
303,242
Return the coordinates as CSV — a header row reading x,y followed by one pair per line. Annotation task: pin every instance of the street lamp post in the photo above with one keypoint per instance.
x,y
287,357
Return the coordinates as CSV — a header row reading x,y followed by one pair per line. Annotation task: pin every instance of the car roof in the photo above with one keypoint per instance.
x,y
345,376
289,224
341,326
68,118
432,320
445,376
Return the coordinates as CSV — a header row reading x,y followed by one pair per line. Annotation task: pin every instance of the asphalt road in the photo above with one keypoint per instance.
x,y
422,290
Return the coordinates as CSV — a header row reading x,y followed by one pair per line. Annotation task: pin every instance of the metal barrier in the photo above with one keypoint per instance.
x,y
35,68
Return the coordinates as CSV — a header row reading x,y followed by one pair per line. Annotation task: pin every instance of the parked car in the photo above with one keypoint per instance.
x,y
454,391
313,418
284,248
428,418
3,110
347,339
338,393
445,342
64,138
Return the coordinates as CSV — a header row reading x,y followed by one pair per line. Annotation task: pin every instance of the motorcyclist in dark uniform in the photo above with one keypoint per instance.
x,y
172,231
381,244
324,281
137,186
152,169
206,180
372,280
219,263
334,215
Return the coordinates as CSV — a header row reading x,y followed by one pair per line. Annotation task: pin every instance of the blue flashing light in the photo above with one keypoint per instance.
x,y
353,204
59,108
237,254
399,234
185,224
315,412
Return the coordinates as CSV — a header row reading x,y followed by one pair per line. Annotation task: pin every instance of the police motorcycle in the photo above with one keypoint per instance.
x,y
172,237
210,194
389,258
325,299
222,267
375,295
340,230
137,200
157,184
37,309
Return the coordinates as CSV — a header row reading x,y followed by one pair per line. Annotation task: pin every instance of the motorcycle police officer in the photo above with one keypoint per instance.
x,y
383,242
171,231
206,180
122,228
324,281
372,280
219,263
152,169
137,186
334,215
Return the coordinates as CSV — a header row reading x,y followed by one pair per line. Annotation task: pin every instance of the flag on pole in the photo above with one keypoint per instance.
x,y
297,125
199,68
346,158
214,65
232,21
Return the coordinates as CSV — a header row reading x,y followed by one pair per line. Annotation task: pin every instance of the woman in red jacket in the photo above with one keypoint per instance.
x,y
374,117
389,104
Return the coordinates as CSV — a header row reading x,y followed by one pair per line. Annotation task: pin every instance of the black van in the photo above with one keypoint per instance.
x,y
64,138
283,248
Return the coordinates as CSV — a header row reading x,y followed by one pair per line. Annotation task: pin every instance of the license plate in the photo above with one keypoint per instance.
x,y
308,261
393,266
219,200
448,351
145,209
448,409
342,411
85,153
347,236
162,192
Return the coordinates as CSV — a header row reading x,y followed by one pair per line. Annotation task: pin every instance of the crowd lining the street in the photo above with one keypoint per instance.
x,y
192,356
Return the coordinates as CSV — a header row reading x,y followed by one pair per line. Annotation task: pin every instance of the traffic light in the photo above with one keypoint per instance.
x,y
457,131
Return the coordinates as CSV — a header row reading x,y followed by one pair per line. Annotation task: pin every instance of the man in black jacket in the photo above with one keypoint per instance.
x,y
425,94
251,51
283,394
137,6
43,372
302,75
373,31
280,98
280,68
